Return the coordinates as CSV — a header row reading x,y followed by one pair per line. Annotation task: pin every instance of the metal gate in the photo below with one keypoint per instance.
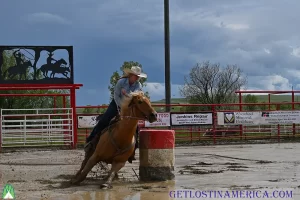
x,y
36,127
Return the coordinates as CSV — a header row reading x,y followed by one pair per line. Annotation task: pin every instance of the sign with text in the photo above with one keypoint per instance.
x,y
163,119
192,119
87,121
258,118
141,123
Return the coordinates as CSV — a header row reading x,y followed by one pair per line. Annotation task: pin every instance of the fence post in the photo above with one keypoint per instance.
x,y
214,122
278,132
191,133
74,116
0,130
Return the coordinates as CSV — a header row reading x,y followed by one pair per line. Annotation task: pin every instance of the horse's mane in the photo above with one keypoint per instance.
x,y
127,99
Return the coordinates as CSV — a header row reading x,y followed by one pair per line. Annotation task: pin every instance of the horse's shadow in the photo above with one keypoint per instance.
x,y
67,183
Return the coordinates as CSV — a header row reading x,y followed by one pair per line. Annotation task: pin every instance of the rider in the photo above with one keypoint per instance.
x,y
18,57
49,59
129,82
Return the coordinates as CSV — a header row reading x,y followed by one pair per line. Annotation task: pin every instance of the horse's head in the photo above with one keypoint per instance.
x,y
141,106
62,61
28,63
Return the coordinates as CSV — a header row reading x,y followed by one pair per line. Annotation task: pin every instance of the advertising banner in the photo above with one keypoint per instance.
x,y
192,119
258,118
87,121
163,119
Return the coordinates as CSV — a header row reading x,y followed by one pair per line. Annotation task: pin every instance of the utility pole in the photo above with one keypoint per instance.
x,y
167,56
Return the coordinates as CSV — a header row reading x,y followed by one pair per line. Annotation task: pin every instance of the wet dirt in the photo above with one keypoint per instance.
x,y
43,174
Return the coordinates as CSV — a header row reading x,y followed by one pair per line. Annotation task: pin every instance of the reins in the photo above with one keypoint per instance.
x,y
121,151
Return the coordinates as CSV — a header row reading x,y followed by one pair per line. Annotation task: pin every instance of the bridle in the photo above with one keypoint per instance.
x,y
131,113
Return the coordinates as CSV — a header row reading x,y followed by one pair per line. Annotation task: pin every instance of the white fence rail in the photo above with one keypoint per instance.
x,y
36,127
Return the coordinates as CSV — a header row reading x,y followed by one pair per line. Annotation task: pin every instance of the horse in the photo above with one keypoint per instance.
x,y
61,70
18,69
46,68
117,142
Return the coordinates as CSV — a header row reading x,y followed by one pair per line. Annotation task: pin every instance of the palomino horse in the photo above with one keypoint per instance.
x,y
117,143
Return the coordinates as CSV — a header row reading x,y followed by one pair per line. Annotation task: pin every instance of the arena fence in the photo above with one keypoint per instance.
x,y
207,123
36,127
213,123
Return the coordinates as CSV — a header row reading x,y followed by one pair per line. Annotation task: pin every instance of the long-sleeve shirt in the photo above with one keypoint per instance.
x,y
123,83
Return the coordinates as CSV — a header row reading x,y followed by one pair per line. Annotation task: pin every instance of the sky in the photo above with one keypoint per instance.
x,y
261,37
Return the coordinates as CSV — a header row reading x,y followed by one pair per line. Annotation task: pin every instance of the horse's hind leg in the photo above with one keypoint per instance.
x,y
87,168
115,168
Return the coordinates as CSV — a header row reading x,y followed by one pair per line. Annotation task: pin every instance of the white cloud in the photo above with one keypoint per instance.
x,y
269,83
228,32
44,17
235,26
296,52
294,73
157,90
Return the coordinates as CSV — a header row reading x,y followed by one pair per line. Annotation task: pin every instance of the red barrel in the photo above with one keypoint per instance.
x,y
157,155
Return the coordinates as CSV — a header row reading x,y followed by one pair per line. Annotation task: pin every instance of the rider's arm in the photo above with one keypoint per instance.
x,y
117,92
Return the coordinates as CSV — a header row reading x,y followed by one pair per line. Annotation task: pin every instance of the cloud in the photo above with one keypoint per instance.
x,y
251,34
44,17
157,91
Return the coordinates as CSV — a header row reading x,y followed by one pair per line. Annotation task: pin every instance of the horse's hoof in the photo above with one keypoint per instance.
x,y
74,182
65,184
106,186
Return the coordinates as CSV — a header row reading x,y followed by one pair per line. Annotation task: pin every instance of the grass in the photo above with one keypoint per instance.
x,y
261,99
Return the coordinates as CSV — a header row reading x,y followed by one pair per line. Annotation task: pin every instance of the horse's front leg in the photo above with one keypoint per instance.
x,y
115,168
65,74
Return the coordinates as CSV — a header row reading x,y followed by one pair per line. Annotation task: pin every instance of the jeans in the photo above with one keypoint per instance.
x,y
110,113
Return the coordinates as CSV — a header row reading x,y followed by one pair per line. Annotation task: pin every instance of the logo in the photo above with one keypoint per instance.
x,y
8,192
265,114
229,118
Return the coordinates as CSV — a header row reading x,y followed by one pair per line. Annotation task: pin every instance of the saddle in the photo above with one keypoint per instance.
x,y
111,123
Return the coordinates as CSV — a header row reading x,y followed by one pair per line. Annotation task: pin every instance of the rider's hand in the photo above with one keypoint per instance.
x,y
124,92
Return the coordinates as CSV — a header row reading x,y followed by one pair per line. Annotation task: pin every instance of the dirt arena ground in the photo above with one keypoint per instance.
x,y
258,167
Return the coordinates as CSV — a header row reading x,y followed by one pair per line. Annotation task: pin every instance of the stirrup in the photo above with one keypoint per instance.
x,y
87,146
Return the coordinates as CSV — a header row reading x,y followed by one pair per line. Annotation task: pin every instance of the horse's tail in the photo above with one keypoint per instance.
x,y
38,71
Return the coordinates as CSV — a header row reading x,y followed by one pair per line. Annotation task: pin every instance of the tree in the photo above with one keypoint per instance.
x,y
101,110
209,84
250,99
88,110
115,77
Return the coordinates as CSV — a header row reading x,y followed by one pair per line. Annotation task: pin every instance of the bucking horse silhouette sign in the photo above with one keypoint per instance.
x,y
36,64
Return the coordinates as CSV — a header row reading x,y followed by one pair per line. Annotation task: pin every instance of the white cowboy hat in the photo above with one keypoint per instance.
x,y
136,71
